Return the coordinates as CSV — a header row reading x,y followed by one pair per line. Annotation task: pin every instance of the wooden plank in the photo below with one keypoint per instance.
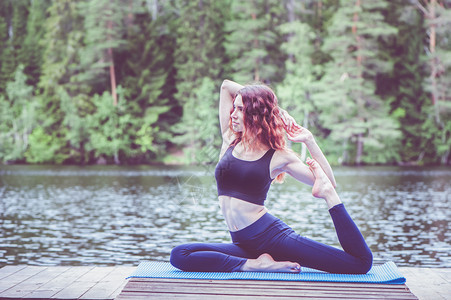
x,y
426,284
278,283
337,295
268,291
164,296
32,283
9,270
18,277
108,287
122,285
83,284
250,285
218,289
444,273
136,296
52,287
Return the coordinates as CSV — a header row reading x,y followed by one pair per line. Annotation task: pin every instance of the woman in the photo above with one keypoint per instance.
x,y
254,154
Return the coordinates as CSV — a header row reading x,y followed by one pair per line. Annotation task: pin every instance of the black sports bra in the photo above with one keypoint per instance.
x,y
242,179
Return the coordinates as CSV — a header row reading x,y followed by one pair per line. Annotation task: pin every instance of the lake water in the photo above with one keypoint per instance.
x,y
108,215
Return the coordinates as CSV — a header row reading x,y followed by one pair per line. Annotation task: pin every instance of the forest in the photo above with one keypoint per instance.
x,y
137,81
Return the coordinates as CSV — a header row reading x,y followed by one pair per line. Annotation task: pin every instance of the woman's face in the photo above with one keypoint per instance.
x,y
237,114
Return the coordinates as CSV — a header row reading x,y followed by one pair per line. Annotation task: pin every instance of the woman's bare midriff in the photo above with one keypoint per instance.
x,y
239,214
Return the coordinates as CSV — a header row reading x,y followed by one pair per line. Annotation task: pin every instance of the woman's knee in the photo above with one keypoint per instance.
x,y
178,256
366,264
369,262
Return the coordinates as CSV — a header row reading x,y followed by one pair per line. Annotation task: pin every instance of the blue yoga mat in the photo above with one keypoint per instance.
x,y
387,273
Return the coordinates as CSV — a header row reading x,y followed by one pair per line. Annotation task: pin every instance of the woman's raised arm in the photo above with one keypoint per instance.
x,y
302,135
227,92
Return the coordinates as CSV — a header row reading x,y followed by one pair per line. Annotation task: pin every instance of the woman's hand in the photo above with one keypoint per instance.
x,y
296,133
299,134
288,120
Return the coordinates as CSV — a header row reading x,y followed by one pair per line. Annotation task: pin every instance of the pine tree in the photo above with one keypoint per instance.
x,y
61,60
403,85
438,21
349,107
146,70
108,128
7,60
18,115
33,49
200,59
294,91
253,42
104,27
19,28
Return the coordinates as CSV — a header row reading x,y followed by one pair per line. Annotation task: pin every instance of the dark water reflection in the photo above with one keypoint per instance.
x,y
122,215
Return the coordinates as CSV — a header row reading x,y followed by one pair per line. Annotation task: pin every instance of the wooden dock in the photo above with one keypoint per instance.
x,y
33,282
258,289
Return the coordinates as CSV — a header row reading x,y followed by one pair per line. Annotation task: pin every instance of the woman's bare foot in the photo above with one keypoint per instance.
x,y
323,188
265,263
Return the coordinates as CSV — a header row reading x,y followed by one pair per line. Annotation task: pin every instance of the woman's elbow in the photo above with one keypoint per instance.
x,y
224,84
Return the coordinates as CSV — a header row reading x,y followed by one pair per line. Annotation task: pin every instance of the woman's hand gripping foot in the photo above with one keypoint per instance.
x,y
323,188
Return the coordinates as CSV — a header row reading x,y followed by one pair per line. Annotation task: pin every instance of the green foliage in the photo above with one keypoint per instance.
x,y
201,125
253,42
364,77
147,74
294,92
63,40
103,35
33,49
18,115
295,89
63,99
19,25
199,45
7,59
199,60
107,127
346,93
403,85
44,148
145,136
440,71
74,124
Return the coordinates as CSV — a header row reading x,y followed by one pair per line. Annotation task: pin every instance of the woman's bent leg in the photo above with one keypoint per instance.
x,y
355,259
209,257
351,240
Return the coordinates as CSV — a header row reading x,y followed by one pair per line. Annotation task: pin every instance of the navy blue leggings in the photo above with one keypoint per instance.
x,y
270,235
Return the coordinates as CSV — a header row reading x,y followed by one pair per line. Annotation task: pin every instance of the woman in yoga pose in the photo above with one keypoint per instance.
x,y
253,154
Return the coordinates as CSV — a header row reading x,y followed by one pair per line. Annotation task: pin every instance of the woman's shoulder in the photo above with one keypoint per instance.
x,y
285,151
285,155
227,140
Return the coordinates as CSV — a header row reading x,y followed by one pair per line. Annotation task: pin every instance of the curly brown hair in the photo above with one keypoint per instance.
x,y
261,119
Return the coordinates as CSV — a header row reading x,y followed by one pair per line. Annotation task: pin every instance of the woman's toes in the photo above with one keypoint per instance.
x,y
295,268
